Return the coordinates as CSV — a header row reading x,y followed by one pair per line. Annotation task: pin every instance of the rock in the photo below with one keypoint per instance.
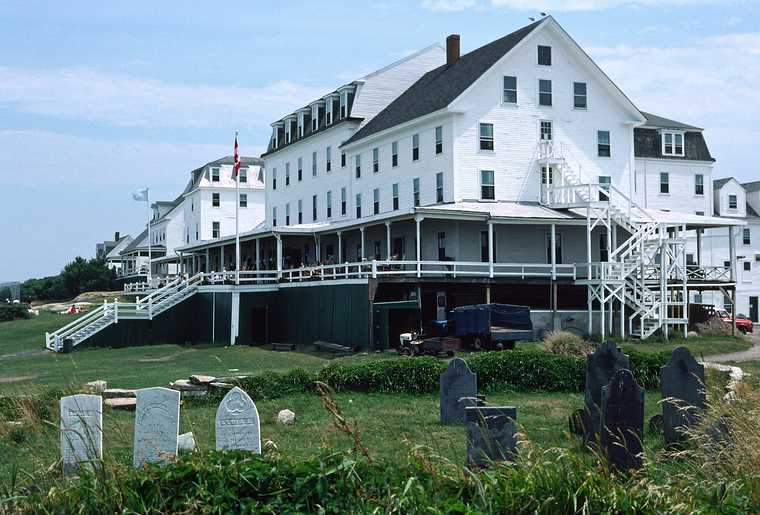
x,y
186,442
96,387
125,403
216,385
201,379
188,388
692,334
109,393
286,417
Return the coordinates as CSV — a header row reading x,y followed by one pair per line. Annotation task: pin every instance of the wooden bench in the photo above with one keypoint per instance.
x,y
283,347
333,348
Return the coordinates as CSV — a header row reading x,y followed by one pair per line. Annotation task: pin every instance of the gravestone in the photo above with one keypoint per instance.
x,y
81,431
458,389
600,367
491,434
237,423
682,383
156,425
622,421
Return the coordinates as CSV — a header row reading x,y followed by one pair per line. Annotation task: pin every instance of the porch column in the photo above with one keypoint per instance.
x,y
732,252
340,247
490,249
699,247
258,251
388,240
317,248
278,237
208,261
553,244
221,258
588,245
361,230
417,220
182,264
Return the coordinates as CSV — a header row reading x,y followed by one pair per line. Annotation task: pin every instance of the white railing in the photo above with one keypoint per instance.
x,y
52,339
136,287
708,273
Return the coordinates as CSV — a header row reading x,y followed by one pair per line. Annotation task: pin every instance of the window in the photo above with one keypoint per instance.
x,y
358,205
328,159
510,90
243,176
487,189
746,240
300,211
329,204
395,196
439,140
664,183
343,104
544,92
300,169
215,200
486,136
314,118
439,187
342,159
328,111
313,164
274,178
394,153
287,214
274,217
544,55
192,205
215,226
416,191
358,162
376,201
603,250
547,175
343,201
484,246
375,160
313,208
441,246
603,143
377,249
215,175
699,184
580,99
672,143
700,213
243,200
415,147
545,130
197,231
287,174
690,260
732,202
604,187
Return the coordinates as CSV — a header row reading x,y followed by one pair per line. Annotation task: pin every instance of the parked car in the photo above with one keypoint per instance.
x,y
743,323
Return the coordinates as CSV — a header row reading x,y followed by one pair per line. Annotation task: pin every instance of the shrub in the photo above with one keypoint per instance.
x,y
10,311
714,327
566,343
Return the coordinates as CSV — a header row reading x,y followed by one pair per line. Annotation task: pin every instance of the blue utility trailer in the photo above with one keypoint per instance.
x,y
486,326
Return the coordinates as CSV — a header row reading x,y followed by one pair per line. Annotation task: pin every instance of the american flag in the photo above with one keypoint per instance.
x,y
236,158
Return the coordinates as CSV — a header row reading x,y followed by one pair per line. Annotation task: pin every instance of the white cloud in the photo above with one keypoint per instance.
x,y
448,5
708,83
129,101
594,5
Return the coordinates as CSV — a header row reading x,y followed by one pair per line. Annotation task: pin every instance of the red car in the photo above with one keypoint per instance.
x,y
743,323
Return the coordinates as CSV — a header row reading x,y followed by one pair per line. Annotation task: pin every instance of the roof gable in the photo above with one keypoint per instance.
x,y
720,183
658,122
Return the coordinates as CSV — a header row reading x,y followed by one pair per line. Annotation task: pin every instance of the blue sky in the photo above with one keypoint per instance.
x,y
98,99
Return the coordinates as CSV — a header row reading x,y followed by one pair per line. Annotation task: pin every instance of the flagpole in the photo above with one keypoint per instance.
x,y
150,265
237,224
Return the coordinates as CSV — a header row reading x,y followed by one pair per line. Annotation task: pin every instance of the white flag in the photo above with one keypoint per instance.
x,y
140,195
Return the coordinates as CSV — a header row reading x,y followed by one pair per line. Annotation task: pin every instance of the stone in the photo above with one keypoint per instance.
x,y
605,361
491,434
286,417
189,389
81,431
217,386
237,423
96,387
682,383
201,379
118,392
186,442
622,421
156,425
458,390
126,403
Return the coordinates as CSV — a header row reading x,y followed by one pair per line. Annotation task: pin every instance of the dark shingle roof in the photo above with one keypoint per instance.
x,y
751,186
663,123
751,212
197,174
439,87
135,244
718,183
647,143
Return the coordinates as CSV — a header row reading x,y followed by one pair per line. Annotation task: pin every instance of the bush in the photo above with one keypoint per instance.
x,y
714,327
77,277
9,311
566,343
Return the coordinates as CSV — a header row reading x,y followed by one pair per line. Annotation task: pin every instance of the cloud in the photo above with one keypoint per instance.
x,y
448,5
594,5
128,101
709,82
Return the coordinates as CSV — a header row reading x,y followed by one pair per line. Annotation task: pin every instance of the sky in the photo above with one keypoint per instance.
x,y
99,99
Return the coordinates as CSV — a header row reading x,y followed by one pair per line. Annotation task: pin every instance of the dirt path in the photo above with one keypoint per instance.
x,y
22,354
750,354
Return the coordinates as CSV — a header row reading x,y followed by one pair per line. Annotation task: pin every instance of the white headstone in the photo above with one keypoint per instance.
x,y
156,425
81,430
186,442
237,423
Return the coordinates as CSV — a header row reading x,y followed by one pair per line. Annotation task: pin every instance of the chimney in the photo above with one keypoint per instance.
x,y
116,236
452,48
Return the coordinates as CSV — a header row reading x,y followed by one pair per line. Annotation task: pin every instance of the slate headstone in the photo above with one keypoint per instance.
x,y
606,360
623,421
237,423
682,383
81,431
491,434
156,425
458,389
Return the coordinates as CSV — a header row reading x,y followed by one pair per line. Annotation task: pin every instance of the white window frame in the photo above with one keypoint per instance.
x,y
480,137
599,143
416,193
484,185
216,197
244,200
736,199
439,140
585,96
504,90
394,194
551,93
673,135
376,160
216,174
538,53
697,184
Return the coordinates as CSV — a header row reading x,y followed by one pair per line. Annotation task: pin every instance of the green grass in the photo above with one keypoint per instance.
x,y
700,345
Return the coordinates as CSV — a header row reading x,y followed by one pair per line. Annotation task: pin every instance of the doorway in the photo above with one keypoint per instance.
x,y
260,325
753,315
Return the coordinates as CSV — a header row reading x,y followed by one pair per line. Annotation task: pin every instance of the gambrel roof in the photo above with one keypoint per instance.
x,y
658,122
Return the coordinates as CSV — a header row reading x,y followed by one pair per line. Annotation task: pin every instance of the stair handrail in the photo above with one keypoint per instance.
x,y
82,321
159,291
168,291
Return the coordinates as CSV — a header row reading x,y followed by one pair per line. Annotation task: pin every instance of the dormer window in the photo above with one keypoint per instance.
x,y
215,175
343,104
300,125
243,175
544,55
275,133
328,111
288,136
314,118
672,144
733,202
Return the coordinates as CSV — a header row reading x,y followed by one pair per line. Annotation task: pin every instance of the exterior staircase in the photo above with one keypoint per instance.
x,y
91,323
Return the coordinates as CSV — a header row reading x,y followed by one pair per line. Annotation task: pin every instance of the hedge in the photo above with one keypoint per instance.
x,y
10,311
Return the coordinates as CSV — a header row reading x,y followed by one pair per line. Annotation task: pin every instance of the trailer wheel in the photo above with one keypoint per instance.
x,y
477,343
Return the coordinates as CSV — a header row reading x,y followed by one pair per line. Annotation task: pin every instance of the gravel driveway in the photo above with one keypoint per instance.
x,y
751,354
